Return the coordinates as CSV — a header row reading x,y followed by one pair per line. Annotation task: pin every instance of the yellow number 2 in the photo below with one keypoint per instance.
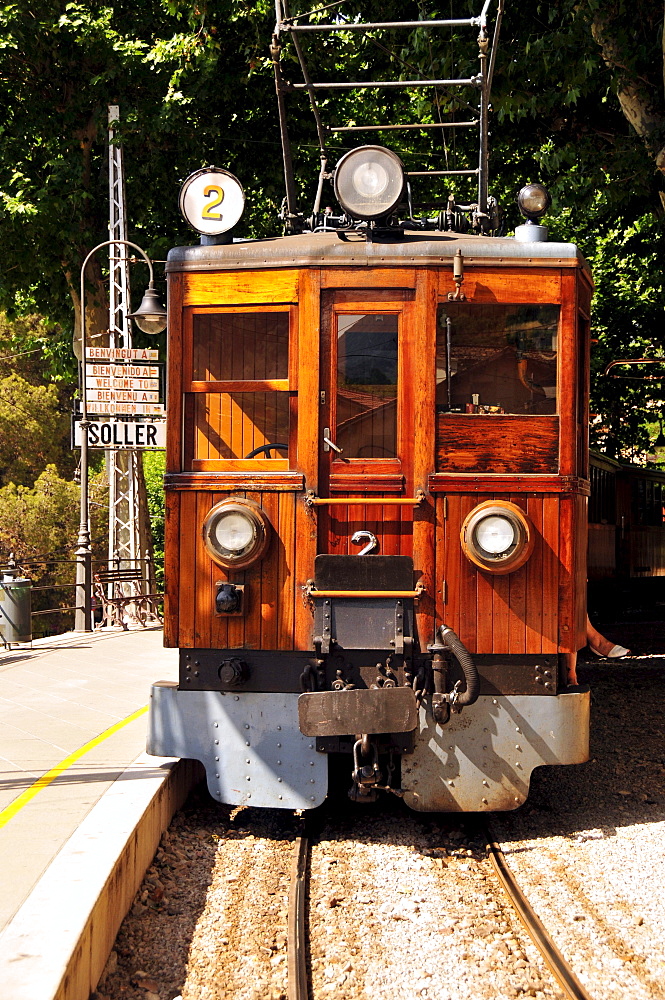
x,y
207,212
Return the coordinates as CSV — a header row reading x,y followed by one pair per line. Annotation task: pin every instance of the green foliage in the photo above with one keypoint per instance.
x,y
153,471
31,429
577,103
39,524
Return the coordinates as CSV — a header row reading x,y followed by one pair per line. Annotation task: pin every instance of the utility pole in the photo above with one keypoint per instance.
x,y
130,541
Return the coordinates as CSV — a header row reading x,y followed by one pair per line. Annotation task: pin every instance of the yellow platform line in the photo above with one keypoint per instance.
x,y
7,814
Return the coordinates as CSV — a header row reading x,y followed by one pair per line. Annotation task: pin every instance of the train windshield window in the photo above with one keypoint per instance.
x,y
495,358
367,385
239,346
240,400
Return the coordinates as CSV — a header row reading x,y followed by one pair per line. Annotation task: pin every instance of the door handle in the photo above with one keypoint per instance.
x,y
328,444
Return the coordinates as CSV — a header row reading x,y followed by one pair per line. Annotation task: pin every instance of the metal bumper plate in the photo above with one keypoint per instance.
x,y
482,759
250,745
344,713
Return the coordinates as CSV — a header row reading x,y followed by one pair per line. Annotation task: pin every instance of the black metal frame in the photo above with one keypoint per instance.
x,y
287,24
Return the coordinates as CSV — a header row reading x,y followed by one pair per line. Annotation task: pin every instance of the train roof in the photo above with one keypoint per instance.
x,y
351,249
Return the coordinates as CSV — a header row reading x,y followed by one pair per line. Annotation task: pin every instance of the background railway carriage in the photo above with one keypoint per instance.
x,y
626,561
319,386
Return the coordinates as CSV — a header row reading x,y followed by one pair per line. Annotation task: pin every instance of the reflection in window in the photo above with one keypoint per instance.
x,y
240,346
233,424
367,385
496,358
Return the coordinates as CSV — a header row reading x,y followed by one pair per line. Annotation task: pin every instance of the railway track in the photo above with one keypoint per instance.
x,y
297,937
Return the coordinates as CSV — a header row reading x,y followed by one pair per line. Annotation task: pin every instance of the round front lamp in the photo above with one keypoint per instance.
x,y
533,201
236,533
497,536
151,314
369,182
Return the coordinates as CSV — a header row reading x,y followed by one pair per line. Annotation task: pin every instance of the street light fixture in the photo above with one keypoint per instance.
x,y
151,318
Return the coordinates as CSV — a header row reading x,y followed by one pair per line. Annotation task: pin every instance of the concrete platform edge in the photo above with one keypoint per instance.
x,y
58,943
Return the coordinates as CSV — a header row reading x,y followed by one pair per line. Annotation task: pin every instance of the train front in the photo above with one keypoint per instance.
x,y
377,478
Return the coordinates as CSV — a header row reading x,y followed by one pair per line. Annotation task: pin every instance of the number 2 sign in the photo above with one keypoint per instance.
x,y
212,201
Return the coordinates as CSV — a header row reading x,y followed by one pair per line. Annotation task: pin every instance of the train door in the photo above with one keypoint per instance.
x,y
367,420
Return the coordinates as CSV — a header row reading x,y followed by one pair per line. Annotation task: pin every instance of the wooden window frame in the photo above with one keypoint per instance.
x,y
191,386
350,468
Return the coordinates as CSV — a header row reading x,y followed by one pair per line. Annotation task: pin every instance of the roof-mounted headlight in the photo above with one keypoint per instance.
x,y
497,536
533,201
369,182
236,533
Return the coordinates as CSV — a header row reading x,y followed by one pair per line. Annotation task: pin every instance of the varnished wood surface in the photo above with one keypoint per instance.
x,y
533,610
538,609
239,288
251,480
497,443
442,482
511,285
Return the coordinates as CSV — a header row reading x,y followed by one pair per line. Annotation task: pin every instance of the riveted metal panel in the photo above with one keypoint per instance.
x,y
482,759
250,745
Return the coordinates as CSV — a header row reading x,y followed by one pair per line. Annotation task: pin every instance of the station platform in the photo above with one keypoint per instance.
x,y
75,789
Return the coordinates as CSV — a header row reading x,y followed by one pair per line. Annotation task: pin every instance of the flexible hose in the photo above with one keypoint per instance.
x,y
465,660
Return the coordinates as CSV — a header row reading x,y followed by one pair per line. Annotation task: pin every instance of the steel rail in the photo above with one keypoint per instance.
x,y
296,946
554,960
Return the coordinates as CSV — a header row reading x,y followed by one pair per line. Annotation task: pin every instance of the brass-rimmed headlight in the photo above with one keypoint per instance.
x,y
236,533
497,536
369,182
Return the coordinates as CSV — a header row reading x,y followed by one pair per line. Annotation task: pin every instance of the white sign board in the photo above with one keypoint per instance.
x,y
128,409
121,354
122,396
111,434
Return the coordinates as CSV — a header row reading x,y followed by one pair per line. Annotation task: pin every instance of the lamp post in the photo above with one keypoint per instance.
x,y
151,318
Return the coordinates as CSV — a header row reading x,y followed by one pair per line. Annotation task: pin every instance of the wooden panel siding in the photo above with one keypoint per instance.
x,y
512,614
239,287
497,443
270,585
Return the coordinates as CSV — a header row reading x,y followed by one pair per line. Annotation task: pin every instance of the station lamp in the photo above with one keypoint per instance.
x,y
369,182
151,314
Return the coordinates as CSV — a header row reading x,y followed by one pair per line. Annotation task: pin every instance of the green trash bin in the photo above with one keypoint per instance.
x,y
15,609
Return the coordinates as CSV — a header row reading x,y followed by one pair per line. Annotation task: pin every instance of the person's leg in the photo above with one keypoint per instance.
x,y
601,646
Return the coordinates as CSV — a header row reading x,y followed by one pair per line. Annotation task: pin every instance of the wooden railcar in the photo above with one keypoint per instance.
x,y
327,384
626,560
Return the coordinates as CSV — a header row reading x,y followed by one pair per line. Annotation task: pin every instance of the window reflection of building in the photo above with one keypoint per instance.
x,y
367,385
503,358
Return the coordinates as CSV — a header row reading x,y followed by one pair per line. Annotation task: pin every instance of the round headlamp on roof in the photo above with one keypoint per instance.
x,y
533,201
369,182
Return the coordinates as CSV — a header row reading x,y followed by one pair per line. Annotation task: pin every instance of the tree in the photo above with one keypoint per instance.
x,y
577,103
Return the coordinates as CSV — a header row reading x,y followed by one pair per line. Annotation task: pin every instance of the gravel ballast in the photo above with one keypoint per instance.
x,y
407,906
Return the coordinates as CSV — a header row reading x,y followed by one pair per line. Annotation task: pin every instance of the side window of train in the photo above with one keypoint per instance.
x,y
496,358
367,373
239,398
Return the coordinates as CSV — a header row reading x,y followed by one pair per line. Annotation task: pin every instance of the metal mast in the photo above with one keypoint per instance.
x,y
130,543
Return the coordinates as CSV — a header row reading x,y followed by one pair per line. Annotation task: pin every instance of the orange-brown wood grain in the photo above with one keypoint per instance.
x,y
171,568
505,284
309,431
174,374
569,361
187,562
497,443
368,278
239,287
